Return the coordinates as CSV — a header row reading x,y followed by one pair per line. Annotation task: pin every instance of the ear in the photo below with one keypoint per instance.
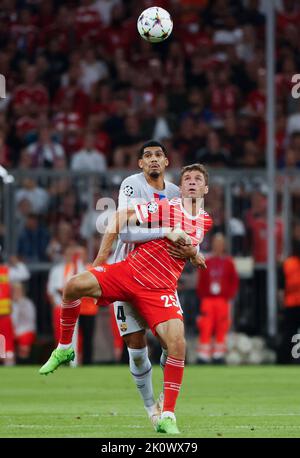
x,y
140,163
166,162
206,190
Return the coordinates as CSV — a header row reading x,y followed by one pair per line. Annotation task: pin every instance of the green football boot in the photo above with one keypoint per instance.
x,y
167,425
57,358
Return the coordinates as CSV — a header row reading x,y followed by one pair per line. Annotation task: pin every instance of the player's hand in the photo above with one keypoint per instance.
x,y
182,251
178,236
198,261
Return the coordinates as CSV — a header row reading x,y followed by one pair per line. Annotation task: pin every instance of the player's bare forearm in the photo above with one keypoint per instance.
x,y
182,251
117,221
188,252
198,261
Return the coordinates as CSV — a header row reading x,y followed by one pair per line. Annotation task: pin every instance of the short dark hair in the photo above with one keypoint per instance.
x,y
149,144
199,167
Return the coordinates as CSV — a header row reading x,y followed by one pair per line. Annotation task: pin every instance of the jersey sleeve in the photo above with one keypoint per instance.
x,y
154,212
129,192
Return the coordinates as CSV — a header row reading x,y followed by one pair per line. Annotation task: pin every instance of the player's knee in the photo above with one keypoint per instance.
x,y
176,345
74,288
135,340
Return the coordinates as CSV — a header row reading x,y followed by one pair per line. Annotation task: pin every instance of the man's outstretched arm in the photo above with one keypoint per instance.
x,y
116,223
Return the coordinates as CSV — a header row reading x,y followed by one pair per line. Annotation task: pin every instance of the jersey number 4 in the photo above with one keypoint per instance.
x,y
120,313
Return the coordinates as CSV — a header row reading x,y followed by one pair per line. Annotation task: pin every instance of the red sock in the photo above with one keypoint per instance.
x,y
173,375
69,314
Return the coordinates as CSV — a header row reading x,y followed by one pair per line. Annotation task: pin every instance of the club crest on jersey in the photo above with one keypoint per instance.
x,y
128,191
152,207
123,327
100,269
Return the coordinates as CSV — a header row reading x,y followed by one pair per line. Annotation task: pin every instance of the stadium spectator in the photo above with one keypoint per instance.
x,y
18,271
256,223
31,97
92,70
60,241
36,195
289,284
14,271
24,323
45,151
217,287
33,240
6,327
213,154
89,158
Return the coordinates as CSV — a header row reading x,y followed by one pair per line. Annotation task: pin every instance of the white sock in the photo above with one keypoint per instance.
x,y
64,346
168,414
141,370
152,410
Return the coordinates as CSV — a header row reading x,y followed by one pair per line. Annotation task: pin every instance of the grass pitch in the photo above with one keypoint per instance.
x,y
102,402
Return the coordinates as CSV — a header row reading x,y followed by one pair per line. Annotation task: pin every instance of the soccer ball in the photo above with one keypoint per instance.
x,y
155,24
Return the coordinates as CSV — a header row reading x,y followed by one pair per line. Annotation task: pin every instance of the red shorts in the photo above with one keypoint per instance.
x,y
26,339
6,329
118,284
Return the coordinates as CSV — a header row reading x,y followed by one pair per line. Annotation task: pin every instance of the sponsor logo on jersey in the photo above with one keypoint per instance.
x,y
100,269
158,196
123,327
128,191
152,207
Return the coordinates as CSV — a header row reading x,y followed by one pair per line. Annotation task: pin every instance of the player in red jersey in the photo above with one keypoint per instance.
x,y
147,279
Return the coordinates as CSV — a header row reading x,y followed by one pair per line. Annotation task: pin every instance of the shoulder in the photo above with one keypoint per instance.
x,y
175,201
172,189
131,185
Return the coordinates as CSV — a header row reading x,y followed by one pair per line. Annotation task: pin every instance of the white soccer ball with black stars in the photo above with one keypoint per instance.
x,y
128,191
152,207
155,24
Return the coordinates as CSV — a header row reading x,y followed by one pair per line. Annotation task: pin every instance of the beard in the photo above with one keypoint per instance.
x,y
154,174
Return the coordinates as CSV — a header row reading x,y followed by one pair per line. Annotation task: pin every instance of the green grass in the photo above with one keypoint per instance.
x,y
102,402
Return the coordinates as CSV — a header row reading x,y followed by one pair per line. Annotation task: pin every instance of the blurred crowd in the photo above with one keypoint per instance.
x,y
84,91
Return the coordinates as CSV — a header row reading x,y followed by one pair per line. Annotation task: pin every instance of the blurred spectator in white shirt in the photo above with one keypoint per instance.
x,y
24,322
18,271
92,70
37,196
89,159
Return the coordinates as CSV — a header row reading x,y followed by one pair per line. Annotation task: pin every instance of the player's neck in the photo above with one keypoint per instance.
x,y
156,182
192,206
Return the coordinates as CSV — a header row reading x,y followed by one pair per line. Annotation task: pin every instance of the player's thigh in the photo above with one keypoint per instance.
x,y
84,284
130,324
156,306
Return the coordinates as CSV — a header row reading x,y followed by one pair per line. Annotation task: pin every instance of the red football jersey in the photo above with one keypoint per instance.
x,y
152,265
